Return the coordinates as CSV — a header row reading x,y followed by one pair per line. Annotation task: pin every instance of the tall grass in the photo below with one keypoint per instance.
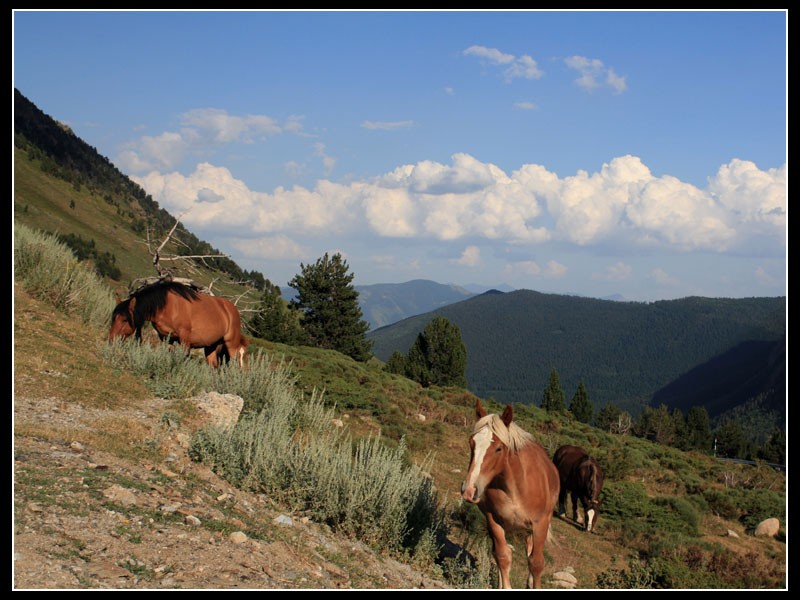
x,y
48,270
291,450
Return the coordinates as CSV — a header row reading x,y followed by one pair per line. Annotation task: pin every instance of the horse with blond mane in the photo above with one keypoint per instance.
x,y
515,485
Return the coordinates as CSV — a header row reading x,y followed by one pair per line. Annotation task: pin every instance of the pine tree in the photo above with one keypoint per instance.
x,y
553,397
438,355
580,406
275,321
330,313
698,429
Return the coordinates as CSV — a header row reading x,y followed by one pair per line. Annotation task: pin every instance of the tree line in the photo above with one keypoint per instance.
x,y
692,431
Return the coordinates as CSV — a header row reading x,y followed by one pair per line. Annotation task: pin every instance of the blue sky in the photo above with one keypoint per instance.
x,y
595,153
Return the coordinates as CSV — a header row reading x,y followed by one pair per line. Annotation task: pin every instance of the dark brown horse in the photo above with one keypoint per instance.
x,y
183,315
515,484
582,477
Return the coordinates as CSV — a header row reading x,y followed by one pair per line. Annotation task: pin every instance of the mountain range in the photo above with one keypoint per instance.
x,y
728,355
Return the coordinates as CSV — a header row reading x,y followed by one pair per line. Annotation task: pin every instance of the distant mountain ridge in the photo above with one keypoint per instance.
x,y
386,303
688,351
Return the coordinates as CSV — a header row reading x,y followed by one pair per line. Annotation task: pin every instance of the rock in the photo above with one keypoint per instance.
x,y
421,418
564,579
237,537
117,493
337,423
283,520
223,409
732,533
768,527
192,520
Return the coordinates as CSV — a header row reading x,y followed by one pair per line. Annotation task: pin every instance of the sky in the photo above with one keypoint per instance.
x,y
637,154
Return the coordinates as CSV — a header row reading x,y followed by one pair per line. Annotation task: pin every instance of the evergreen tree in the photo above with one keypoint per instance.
x,y
730,440
657,425
698,429
438,355
580,406
328,302
275,321
396,363
553,396
774,450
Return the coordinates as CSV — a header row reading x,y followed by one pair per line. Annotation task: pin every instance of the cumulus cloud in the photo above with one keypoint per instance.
x,y
387,125
201,128
622,205
593,74
523,67
661,277
469,258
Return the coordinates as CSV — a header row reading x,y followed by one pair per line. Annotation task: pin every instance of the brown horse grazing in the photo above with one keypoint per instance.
x,y
582,477
181,314
515,484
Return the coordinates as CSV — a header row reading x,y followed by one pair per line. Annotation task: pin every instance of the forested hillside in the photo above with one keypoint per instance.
x,y
715,352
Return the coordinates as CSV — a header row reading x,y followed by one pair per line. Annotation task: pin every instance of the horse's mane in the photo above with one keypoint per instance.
x,y
151,299
512,436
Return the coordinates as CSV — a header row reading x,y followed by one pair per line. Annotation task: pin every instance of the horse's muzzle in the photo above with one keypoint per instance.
x,y
470,494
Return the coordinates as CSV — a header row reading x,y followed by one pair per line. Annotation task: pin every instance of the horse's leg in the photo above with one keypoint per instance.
x,y
212,355
576,516
535,548
562,500
501,551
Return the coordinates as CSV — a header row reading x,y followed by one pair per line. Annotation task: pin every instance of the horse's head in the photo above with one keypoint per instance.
x,y
488,453
122,321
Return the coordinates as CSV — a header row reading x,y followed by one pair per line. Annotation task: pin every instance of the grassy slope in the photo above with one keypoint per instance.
x,y
371,399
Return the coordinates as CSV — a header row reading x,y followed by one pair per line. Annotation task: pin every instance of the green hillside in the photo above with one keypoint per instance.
x,y
625,352
666,513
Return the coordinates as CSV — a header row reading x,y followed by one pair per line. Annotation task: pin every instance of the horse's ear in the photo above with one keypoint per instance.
x,y
508,414
479,410
118,297
132,304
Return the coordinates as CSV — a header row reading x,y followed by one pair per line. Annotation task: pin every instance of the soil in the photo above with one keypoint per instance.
x,y
88,519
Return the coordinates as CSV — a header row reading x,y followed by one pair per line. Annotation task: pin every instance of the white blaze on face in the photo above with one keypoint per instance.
x,y
589,519
482,441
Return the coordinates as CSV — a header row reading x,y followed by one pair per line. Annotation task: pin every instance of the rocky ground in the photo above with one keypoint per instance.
x,y
88,519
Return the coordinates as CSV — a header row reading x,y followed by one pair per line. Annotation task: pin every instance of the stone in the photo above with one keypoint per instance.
x,y
768,527
223,409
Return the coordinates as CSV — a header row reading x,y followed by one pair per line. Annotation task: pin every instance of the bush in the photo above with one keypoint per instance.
x,y
48,270
364,489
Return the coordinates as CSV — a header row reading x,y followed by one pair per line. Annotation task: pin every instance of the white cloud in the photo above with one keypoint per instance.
x,y
661,277
202,128
617,272
593,74
523,66
387,125
555,270
328,162
278,247
525,105
492,55
622,205
469,258
217,125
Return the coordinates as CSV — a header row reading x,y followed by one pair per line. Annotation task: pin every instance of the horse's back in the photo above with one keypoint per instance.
x,y
566,458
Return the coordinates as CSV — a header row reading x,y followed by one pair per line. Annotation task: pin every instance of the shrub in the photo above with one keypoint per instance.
x,y
48,270
364,489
